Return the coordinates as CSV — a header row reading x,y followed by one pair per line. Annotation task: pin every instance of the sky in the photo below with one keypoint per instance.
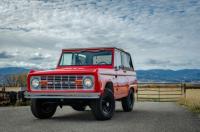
x,y
159,34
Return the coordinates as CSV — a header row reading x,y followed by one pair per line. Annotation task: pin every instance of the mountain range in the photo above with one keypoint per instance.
x,y
160,75
152,75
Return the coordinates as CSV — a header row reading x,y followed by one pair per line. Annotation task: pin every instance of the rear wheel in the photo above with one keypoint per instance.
x,y
128,102
104,107
42,109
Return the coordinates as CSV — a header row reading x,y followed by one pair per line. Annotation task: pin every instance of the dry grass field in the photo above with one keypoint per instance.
x,y
191,100
9,89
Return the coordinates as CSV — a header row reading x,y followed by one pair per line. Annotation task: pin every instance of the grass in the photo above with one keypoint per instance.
x,y
192,100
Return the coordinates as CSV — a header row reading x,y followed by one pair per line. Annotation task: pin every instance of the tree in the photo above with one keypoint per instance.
x,y
16,80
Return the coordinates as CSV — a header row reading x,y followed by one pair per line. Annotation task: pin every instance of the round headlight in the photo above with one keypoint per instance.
x,y
35,83
88,82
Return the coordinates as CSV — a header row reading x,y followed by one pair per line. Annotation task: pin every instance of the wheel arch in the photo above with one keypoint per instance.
x,y
134,89
109,85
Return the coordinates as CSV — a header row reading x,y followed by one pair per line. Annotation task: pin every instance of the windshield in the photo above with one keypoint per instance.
x,y
86,58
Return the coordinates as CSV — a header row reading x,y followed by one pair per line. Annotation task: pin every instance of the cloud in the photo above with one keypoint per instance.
x,y
168,64
5,55
158,62
39,56
154,32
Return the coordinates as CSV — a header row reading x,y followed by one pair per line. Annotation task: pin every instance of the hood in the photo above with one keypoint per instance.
x,y
65,71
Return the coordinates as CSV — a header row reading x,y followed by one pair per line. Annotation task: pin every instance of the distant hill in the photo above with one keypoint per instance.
x,y
154,75
160,75
13,70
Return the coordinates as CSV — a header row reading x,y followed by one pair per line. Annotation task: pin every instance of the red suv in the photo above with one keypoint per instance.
x,y
93,77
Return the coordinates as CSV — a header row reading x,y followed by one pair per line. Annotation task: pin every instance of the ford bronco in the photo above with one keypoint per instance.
x,y
93,77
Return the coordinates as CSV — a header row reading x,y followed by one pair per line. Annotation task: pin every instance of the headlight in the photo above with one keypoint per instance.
x,y
88,82
35,82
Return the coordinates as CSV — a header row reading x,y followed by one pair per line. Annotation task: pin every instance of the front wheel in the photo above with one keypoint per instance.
x,y
104,107
42,109
128,102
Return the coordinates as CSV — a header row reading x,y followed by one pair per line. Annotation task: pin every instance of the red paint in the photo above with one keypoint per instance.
x,y
102,75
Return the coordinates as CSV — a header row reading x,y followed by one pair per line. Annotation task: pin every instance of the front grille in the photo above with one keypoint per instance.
x,y
61,82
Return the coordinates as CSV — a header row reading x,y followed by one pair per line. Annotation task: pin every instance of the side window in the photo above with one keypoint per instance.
x,y
117,58
126,60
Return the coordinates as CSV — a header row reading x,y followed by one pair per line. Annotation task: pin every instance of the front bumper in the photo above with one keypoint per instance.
x,y
63,95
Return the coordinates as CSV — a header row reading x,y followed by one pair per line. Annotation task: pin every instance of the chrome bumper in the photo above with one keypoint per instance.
x,y
63,95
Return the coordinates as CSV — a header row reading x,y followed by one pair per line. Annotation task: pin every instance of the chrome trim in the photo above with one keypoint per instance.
x,y
71,95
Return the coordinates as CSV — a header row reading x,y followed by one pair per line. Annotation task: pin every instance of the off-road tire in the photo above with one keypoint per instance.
x,y
42,109
128,102
104,107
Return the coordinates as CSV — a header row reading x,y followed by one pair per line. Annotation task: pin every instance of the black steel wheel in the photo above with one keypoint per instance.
x,y
104,107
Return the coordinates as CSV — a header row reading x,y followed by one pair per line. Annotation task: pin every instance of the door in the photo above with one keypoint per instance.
x,y
117,61
120,77
125,72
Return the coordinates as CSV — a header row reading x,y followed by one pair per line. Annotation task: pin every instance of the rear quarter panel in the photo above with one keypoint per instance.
x,y
132,80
